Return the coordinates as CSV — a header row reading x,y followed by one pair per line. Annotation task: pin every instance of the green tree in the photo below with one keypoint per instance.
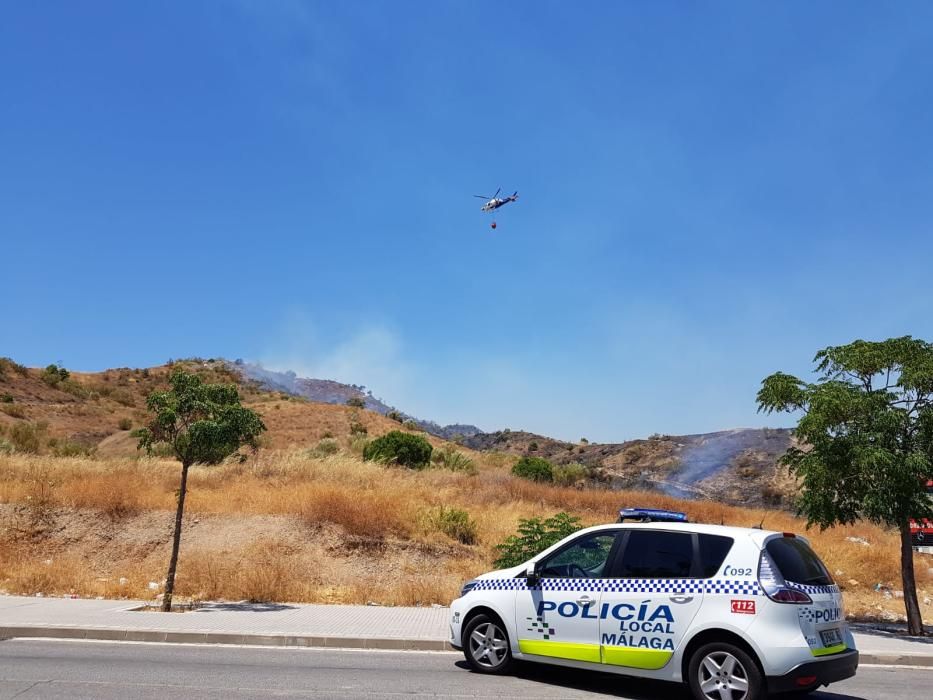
x,y
203,424
534,536
356,402
866,439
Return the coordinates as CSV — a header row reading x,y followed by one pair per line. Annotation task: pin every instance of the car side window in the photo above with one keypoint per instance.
x,y
585,558
657,554
713,551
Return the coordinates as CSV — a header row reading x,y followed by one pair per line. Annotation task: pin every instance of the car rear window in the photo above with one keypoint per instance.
x,y
713,551
797,562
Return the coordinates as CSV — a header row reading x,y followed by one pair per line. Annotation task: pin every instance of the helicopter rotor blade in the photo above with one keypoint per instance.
x,y
482,196
497,193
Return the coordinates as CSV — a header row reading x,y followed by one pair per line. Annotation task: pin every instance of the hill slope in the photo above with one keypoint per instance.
x,y
96,411
733,466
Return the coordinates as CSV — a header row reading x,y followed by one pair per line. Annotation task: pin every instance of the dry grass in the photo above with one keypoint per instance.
x,y
333,529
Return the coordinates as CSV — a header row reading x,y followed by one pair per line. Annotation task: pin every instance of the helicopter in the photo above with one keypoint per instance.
x,y
493,203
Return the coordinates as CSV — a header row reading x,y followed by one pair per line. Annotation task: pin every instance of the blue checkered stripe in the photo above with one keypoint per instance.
x,y
653,585
739,587
814,590
628,585
500,584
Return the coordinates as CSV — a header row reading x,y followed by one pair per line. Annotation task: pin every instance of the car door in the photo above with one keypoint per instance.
x,y
651,599
558,618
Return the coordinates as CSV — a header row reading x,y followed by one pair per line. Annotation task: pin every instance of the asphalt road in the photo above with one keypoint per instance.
x,y
56,669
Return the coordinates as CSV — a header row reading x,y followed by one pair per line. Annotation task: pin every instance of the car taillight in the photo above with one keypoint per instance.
x,y
789,595
774,585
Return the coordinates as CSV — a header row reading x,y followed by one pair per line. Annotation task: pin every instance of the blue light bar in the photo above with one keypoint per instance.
x,y
651,515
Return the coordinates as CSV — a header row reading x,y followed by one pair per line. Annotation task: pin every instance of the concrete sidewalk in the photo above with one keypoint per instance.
x,y
343,626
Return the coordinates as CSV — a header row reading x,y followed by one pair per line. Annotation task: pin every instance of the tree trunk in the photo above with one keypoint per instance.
x,y
176,542
914,619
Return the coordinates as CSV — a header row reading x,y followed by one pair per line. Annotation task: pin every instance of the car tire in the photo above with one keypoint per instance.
x,y
719,665
486,645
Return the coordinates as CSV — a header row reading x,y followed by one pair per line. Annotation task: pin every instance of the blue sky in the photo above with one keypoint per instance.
x,y
709,192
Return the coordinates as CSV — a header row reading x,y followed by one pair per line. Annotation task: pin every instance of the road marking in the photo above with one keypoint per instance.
x,y
65,640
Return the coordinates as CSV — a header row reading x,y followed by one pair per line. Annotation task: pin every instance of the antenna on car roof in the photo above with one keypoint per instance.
x,y
760,526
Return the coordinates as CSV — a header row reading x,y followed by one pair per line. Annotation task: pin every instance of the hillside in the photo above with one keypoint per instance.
x,y
95,412
732,466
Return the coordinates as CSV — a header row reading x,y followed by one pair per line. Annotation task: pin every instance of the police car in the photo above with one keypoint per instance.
x,y
735,613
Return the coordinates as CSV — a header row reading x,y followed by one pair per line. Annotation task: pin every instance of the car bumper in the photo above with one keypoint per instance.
x,y
814,674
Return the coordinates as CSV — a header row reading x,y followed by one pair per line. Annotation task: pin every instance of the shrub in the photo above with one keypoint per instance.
x,y
534,468
6,397
6,447
534,536
395,415
13,410
569,474
533,446
26,437
356,402
325,448
53,375
454,523
357,428
404,449
410,425
449,458
125,424
584,441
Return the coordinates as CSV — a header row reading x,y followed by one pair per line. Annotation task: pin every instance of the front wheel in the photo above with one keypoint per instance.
x,y
486,645
721,671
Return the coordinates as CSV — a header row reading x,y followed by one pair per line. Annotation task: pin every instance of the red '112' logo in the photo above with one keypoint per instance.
x,y
743,606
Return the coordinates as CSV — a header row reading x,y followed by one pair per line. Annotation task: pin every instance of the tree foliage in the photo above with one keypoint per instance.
x,y
203,423
396,447
866,432
866,436
534,536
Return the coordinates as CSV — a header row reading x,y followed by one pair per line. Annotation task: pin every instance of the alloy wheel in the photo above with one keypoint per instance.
x,y
723,677
488,645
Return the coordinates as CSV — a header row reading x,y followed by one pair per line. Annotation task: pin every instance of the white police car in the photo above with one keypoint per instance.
x,y
735,613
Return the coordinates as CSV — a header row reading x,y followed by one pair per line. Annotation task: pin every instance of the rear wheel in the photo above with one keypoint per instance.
x,y
486,645
720,671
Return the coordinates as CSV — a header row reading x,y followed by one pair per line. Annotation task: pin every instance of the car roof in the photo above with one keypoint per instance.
x,y
755,534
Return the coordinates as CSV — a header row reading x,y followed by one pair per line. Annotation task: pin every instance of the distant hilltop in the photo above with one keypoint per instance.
x,y
329,391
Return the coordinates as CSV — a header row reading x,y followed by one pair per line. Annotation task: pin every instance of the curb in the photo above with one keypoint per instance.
x,y
882,659
283,640
273,640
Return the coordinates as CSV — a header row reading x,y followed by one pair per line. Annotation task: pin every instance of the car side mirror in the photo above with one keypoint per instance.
x,y
532,576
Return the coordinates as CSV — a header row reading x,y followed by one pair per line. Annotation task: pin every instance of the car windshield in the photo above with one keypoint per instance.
x,y
797,562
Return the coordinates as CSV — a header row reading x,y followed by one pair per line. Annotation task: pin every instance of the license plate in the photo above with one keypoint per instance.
x,y
830,638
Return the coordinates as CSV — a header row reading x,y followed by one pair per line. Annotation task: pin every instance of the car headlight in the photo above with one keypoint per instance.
x,y
467,587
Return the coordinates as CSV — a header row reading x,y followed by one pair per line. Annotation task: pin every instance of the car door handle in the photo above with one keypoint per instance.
x,y
584,600
681,598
